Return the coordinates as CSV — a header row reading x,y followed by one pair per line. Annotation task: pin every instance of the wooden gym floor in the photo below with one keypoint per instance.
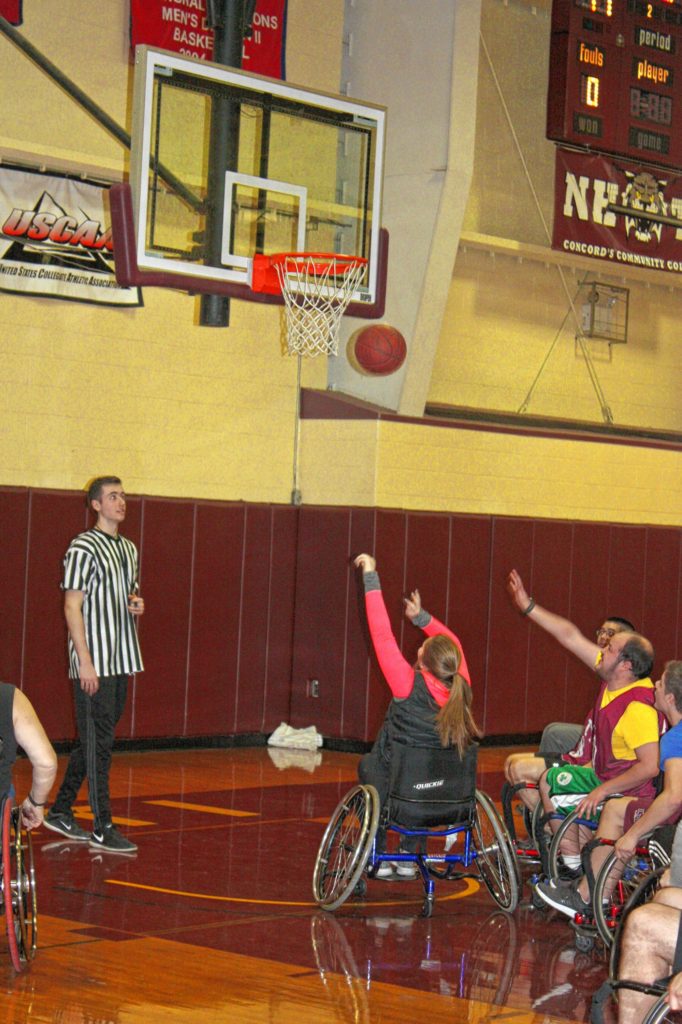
x,y
213,918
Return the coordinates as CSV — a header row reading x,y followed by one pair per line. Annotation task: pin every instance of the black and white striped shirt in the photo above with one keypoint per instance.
x,y
105,569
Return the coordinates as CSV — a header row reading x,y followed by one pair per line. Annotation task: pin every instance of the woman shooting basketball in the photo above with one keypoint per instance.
x,y
431,704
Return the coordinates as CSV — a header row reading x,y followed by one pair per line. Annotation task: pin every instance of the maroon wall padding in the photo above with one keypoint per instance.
x,y
166,586
13,554
663,592
323,581
246,604
54,518
215,619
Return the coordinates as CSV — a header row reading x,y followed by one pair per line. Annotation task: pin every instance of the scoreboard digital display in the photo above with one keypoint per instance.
x,y
615,78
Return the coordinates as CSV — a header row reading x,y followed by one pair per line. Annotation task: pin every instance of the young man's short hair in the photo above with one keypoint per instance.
x,y
672,681
95,487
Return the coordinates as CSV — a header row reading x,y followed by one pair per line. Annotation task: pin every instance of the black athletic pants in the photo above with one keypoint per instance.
x,y
96,720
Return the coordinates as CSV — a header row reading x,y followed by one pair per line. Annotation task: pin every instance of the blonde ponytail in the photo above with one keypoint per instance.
x,y
455,722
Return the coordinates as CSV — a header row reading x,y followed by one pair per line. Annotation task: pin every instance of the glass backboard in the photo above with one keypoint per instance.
x,y
226,164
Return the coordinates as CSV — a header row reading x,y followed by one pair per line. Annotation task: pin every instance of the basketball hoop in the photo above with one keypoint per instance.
x,y
316,287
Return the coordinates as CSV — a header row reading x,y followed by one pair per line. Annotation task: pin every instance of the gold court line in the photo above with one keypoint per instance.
x,y
85,814
181,805
471,887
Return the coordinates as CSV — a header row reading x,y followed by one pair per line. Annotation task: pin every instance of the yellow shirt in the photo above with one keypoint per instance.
x,y
636,726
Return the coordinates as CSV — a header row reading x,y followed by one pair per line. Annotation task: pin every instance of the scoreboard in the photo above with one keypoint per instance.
x,y
615,78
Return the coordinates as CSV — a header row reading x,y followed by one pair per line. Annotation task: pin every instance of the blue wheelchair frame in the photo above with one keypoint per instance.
x,y
350,852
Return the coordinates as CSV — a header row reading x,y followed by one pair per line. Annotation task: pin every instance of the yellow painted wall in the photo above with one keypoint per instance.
x,y
444,469
174,408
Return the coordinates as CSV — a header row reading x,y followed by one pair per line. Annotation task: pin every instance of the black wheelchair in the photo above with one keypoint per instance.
x,y
18,886
615,882
433,804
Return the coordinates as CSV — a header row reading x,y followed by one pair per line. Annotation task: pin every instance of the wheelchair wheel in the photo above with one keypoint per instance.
x,y
661,1012
633,877
18,887
566,828
535,827
641,894
494,855
345,847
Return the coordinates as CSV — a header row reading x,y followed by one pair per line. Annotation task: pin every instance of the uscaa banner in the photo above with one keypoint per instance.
x,y
617,210
55,240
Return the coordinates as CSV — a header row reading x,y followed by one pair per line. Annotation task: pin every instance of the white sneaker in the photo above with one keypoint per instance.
x,y
385,869
406,869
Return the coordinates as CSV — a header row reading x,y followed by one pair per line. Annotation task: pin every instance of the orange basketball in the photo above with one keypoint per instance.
x,y
377,350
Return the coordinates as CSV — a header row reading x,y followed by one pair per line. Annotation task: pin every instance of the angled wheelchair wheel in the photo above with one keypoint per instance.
x,y
567,828
622,882
643,892
536,827
345,847
661,1012
18,888
25,900
494,854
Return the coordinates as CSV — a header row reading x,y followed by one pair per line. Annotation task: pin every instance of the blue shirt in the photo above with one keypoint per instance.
x,y
671,744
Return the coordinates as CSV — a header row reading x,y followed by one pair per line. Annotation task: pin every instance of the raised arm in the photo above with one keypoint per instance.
x,y
433,627
398,672
667,805
567,634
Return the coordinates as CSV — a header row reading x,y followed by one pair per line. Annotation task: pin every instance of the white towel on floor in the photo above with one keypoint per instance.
x,y
295,739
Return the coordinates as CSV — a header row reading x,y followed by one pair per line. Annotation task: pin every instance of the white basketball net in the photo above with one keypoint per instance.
x,y
316,291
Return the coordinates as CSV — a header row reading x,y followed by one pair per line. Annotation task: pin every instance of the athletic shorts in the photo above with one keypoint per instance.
x,y
636,808
568,784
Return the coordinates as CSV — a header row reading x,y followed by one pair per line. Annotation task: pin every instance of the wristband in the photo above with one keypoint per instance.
x,y
32,801
529,609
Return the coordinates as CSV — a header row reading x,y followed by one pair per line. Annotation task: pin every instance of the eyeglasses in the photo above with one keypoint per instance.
x,y
602,631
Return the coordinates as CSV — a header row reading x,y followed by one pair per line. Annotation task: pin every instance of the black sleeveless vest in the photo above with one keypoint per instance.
x,y
8,754
413,720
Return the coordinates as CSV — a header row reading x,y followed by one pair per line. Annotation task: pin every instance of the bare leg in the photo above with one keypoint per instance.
x,y
611,826
648,950
525,768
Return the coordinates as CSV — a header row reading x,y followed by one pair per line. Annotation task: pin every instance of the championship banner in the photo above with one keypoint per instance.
x,y
55,240
11,11
180,26
617,210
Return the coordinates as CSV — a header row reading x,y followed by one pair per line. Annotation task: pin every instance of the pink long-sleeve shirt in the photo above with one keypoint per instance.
x,y
398,672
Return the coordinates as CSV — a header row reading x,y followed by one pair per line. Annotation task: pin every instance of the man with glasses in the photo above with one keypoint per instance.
x,y
558,738
561,742
627,819
618,751
101,606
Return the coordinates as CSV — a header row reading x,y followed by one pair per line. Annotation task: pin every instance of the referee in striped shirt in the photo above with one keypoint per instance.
x,y
101,604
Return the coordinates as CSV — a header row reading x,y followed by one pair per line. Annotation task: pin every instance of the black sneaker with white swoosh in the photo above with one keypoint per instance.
x,y
110,839
66,826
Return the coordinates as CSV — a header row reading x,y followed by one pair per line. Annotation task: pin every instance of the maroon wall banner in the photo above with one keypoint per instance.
x,y
55,240
11,10
180,26
617,210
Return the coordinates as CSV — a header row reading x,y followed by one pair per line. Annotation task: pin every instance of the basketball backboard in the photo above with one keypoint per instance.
x,y
225,164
